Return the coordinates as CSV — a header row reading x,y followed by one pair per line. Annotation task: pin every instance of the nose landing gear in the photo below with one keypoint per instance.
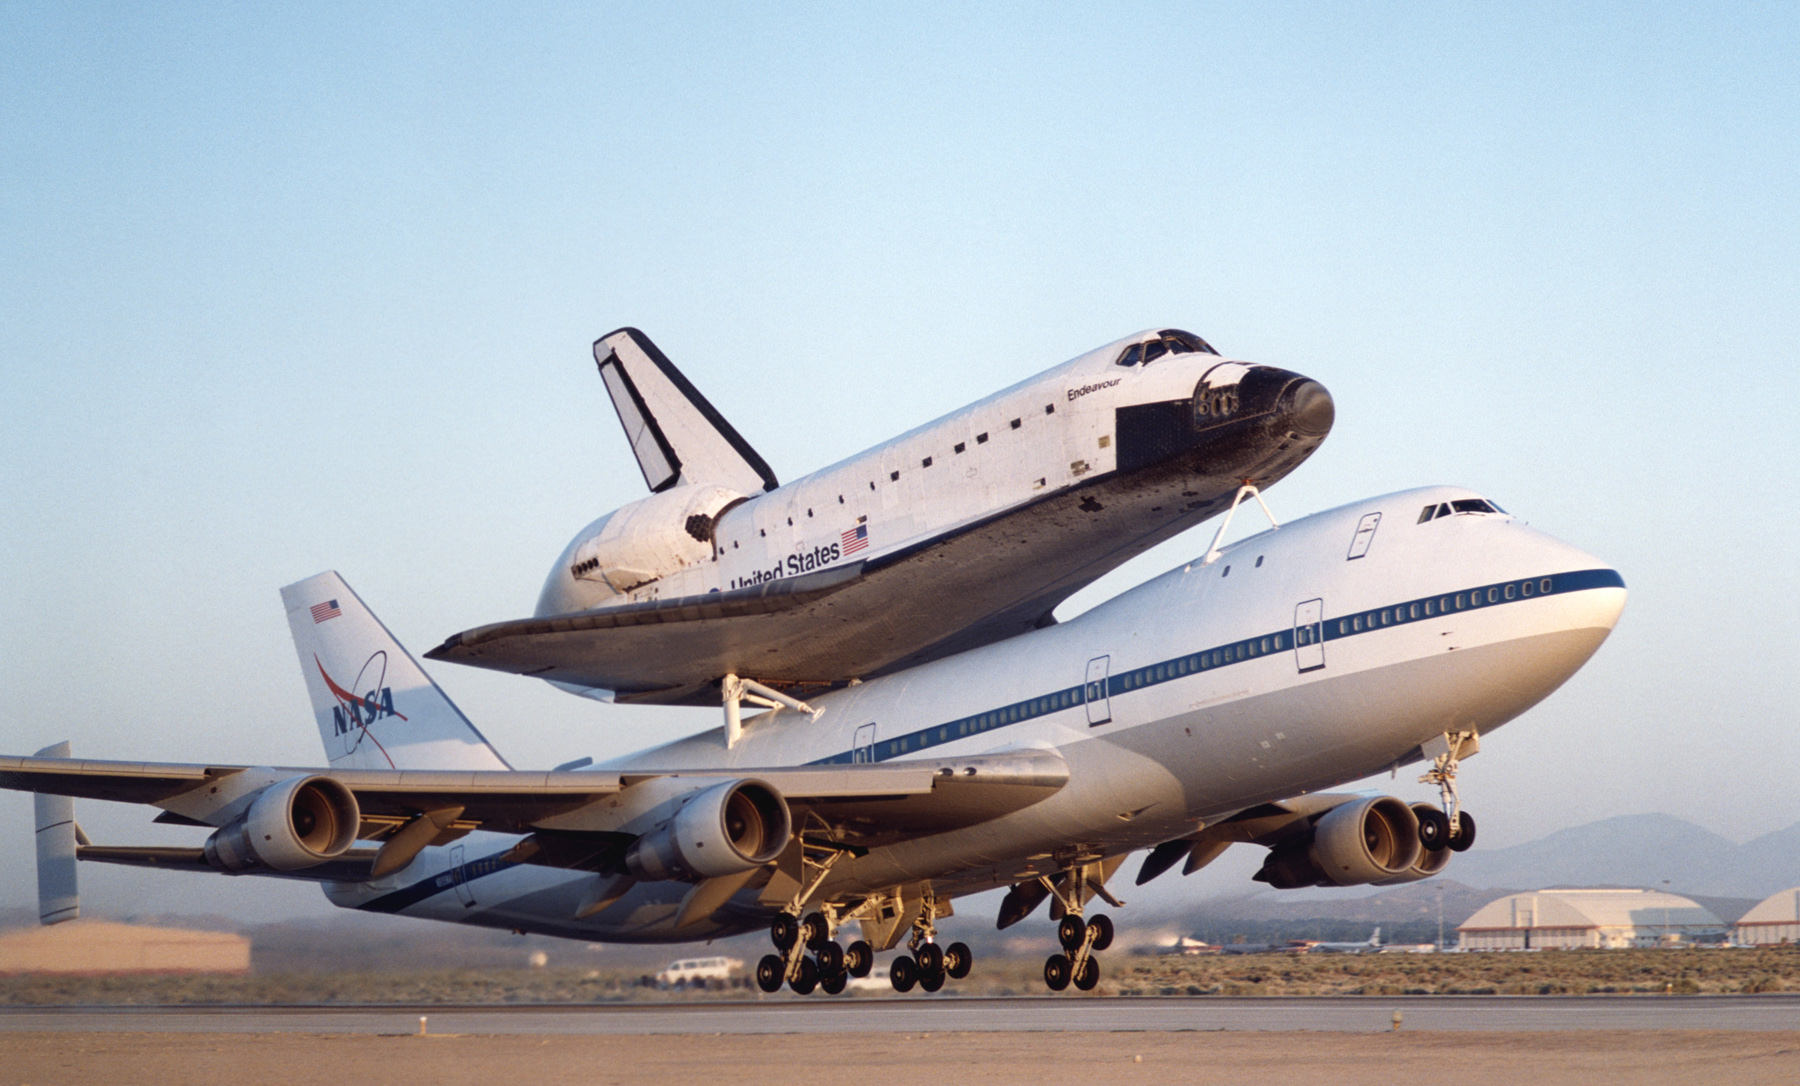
x,y
1455,828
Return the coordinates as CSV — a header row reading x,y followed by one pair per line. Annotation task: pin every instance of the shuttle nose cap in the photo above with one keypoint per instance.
x,y
1309,408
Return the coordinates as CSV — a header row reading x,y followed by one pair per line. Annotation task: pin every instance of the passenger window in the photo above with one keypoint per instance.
x,y
1412,611
1493,595
1544,585
1526,588
1509,592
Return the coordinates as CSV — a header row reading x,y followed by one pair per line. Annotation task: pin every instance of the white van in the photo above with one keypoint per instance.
x,y
698,971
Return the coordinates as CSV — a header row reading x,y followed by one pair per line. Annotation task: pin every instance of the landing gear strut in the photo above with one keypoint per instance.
x,y
830,965
1455,828
929,965
1081,939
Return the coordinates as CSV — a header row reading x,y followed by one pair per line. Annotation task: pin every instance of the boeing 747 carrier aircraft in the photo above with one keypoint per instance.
x,y
1219,703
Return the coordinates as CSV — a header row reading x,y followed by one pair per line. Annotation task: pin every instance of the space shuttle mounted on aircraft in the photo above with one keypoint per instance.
x,y
984,747
957,534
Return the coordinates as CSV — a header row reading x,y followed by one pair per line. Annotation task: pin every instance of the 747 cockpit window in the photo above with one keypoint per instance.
x,y
1167,341
1461,505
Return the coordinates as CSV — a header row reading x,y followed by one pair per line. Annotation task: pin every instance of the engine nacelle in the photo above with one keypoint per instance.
x,y
292,825
1428,864
1353,844
722,830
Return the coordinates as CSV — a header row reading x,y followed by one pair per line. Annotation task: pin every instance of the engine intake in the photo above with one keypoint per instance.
x,y
1353,844
722,830
292,825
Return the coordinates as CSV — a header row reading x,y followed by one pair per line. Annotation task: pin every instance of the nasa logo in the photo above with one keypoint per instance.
x,y
353,712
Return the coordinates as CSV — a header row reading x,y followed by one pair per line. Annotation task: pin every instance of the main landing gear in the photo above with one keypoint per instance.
x,y
929,965
828,967
811,959
1081,939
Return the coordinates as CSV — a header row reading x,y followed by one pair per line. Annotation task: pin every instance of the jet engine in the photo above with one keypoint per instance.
x,y
1353,844
292,825
722,830
1430,861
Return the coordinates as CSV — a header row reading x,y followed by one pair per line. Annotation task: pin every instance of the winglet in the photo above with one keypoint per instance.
x,y
677,437
59,895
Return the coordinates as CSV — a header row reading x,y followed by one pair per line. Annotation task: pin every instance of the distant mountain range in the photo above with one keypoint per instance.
x,y
1652,851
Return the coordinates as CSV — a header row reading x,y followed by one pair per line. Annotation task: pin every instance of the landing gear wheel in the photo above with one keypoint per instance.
x,y
784,931
1434,828
1056,972
1089,975
931,960
958,960
815,930
834,983
807,978
1102,927
859,958
769,972
1070,932
903,973
931,982
831,958
1465,832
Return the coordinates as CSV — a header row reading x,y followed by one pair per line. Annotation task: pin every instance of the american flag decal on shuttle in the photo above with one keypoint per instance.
x,y
856,539
323,611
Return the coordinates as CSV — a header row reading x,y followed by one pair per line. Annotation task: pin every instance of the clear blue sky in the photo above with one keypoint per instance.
x,y
294,287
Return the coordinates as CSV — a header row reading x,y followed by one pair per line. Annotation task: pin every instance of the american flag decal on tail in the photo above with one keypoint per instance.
x,y
856,539
323,611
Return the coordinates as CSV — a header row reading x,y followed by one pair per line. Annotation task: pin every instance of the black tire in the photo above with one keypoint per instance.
x,y
834,983
1465,832
831,958
784,931
808,977
903,973
770,973
1071,931
1056,972
1102,927
1434,829
1089,975
931,982
931,959
958,960
815,931
859,958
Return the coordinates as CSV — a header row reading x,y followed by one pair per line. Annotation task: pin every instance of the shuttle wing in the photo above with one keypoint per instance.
x,y
677,437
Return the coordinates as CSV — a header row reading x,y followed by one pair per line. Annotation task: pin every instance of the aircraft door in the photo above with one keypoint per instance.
x,y
459,871
1365,535
1099,703
1309,635
863,750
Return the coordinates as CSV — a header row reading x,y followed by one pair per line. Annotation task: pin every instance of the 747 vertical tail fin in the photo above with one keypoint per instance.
x,y
375,706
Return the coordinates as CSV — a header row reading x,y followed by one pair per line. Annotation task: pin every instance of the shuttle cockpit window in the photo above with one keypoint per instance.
x,y
1167,341
1461,505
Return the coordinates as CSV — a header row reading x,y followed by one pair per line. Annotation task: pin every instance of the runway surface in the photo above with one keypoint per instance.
x,y
1027,1015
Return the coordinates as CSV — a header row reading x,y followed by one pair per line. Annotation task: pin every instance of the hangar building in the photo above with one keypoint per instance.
x,y
1772,921
1574,919
100,946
